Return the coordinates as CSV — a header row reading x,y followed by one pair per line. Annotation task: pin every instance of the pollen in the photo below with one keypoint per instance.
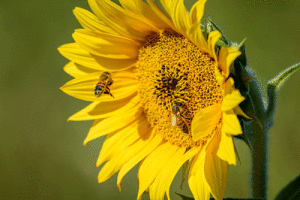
x,y
176,80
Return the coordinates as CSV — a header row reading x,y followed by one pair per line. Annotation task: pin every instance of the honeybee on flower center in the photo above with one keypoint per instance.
x,y
178,119
102,87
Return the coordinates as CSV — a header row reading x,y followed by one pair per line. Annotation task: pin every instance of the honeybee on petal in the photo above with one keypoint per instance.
x,y
102,87
178,119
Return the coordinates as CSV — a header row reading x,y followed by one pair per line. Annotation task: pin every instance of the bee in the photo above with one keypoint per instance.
x,y
178,119
102,86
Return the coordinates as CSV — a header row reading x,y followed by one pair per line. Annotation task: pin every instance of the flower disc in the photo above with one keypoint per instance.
x,y
175,74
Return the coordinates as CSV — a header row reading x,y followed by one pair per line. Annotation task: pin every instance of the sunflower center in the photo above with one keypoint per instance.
x,y
176,80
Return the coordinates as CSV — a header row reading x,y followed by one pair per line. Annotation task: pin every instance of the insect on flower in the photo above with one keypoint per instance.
x,y
178,118
177,99
102,86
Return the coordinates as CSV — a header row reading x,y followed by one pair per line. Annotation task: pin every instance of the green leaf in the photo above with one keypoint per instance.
x,y
280,79
273,87
291,191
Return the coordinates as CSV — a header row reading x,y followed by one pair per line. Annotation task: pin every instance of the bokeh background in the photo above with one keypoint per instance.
x,y
41,154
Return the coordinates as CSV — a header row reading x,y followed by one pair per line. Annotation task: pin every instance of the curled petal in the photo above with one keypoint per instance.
x,y
205,121
161,14
232,100
212,40
226,58
231,124
226,149
197,11
180,16
195,34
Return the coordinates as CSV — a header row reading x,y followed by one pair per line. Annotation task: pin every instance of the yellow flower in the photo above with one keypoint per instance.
x,y
172,100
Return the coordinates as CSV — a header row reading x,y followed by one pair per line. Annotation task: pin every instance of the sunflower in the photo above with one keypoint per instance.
x,y
170,100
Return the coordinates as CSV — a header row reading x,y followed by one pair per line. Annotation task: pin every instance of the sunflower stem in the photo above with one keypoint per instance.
x,y
259,162
258,141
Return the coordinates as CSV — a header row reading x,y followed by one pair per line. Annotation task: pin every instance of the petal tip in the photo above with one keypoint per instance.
x,y
85,142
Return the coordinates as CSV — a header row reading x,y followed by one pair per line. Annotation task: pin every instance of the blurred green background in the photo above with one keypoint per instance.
x,y
42,156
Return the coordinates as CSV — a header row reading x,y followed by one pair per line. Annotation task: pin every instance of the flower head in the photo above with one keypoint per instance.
x,y
165,96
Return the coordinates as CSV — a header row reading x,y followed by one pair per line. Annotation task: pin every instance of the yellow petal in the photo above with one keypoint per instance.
x,y
111,124
231,124
163,181
77,70
232,100
180,16
83,88
197,11
138,157
215,169
167,5
122,31
198,161
106,45
119,140
97,110
229,85
150,167
199,187
159,186
124,19
111,64
144,12
237,110
226,58
220,79
89,21
213,37
205,121
96,10
78,55
226,149
197,182
115,164
161,14
194,33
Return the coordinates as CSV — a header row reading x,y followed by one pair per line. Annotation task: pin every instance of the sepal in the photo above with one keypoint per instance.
x,y
291,191
210,26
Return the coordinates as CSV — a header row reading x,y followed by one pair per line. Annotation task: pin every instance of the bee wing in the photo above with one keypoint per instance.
x,y
174,119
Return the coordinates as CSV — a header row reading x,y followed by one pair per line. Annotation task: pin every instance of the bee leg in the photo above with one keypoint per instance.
x,y
108,92
111,94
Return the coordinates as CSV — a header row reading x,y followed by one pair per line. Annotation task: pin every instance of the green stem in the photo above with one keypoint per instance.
x,y
258,130
259,162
